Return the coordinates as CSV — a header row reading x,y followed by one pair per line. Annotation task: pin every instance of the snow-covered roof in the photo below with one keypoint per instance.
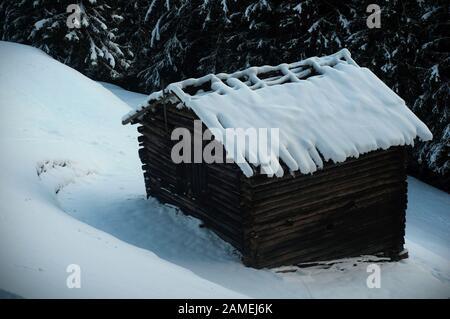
x,y
326,108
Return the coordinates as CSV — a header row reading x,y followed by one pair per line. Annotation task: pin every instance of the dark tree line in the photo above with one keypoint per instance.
x,y
144,45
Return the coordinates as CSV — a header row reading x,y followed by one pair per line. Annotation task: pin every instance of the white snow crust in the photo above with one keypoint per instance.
x,y
342,111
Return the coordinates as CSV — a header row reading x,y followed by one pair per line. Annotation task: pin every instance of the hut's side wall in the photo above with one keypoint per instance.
x,y
349,209
209,192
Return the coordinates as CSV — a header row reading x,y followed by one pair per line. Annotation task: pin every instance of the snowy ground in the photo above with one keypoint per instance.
x,y
71,192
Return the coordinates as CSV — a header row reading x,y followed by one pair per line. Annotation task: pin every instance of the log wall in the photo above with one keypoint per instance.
x,y
348,209
218,204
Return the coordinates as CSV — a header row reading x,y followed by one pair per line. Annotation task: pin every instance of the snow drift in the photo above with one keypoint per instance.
x,y
59,127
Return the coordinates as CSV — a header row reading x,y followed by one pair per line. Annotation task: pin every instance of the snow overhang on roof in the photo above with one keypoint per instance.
x,y
326,108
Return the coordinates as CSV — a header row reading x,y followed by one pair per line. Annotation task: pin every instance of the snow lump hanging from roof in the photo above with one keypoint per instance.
x,y
326,108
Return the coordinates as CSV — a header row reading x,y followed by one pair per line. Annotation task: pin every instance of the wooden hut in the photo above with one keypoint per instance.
x,y
336,188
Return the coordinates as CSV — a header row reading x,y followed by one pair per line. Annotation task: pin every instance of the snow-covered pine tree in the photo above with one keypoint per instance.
x,y
409,53
183,38
88,45
159,42
193,37
431,105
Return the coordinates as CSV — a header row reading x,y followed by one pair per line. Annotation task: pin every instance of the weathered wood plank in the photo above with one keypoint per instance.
x,y
344,210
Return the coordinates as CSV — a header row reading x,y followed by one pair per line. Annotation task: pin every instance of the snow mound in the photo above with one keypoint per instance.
x,y
58,129
326,108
